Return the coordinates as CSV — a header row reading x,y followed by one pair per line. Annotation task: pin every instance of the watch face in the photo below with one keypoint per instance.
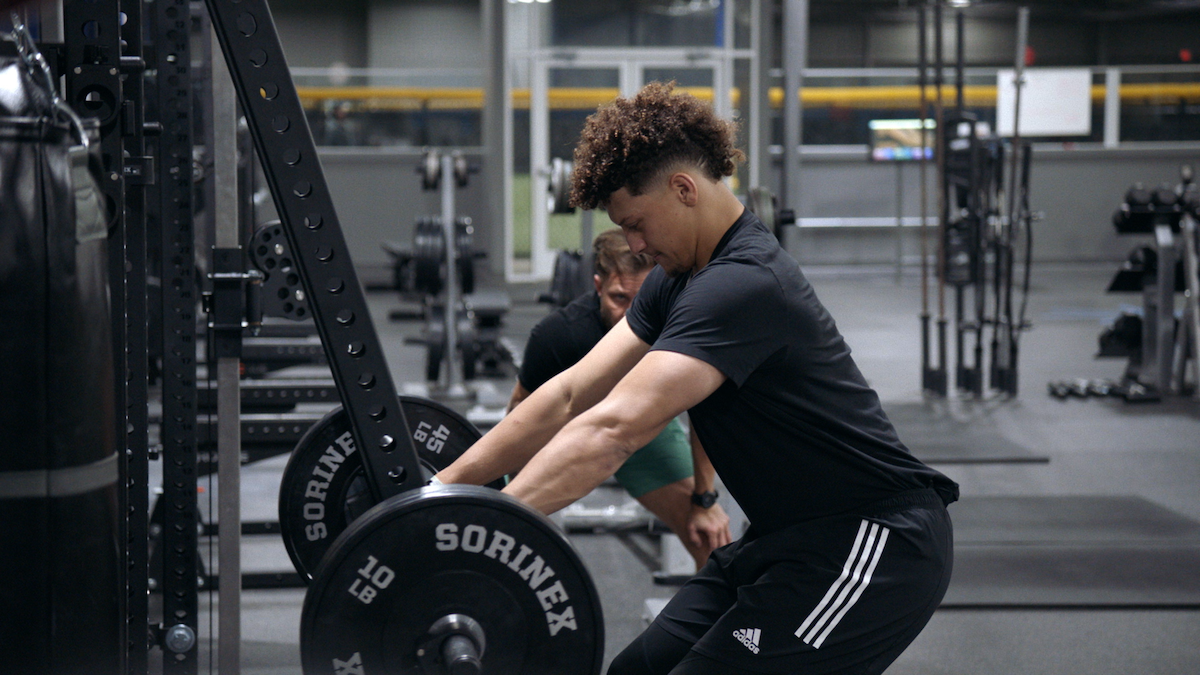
x,y
705,499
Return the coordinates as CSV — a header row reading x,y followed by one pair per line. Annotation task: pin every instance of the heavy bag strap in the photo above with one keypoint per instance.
x,y
37,96
29,97
91,214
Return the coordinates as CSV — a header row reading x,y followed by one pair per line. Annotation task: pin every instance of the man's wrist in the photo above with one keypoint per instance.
x,y
705,500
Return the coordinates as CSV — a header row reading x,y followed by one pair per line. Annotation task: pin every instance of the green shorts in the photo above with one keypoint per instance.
x,y
666,459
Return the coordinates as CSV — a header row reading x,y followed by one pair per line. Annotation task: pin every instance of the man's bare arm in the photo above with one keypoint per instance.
x,y
594,445
701,465
708,529
519,394
522,433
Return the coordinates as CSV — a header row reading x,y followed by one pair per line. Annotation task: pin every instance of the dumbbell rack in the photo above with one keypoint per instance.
x,y
1169,219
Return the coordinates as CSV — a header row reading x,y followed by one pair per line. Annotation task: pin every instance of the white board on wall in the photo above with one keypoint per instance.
x,y
1054,102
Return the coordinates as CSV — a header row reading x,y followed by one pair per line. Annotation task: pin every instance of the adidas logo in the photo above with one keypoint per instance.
x,y
748,637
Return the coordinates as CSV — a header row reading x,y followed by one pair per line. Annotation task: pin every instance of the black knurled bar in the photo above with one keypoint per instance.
x,y
174,218
294,175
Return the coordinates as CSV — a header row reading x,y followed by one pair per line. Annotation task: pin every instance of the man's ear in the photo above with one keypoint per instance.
x,y
597,281
683,186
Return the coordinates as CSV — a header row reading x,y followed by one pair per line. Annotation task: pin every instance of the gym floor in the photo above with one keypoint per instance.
x,y
1095,447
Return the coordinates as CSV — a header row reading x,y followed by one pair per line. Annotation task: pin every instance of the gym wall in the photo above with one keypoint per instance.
x,y
378,195
1076,190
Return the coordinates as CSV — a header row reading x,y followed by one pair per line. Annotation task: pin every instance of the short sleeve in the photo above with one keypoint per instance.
x,y
729,316
647,312
543,353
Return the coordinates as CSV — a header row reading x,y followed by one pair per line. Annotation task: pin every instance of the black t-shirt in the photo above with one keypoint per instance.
x,y
558,341
795,432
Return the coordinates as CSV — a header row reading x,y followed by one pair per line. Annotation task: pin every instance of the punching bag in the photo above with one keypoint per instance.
x,y
60,587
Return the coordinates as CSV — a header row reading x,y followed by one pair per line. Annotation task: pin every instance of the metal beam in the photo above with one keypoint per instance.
x,y
229,433
795,60
495,92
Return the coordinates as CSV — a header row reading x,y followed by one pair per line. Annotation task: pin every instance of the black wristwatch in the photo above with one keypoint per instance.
x,y
705,500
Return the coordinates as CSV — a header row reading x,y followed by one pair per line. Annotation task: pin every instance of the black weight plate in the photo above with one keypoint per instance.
x,y
324,488
433,358
281,294
464,259
452,549
429,252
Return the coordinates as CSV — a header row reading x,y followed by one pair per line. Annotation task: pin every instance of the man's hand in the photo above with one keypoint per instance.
x,y
708,529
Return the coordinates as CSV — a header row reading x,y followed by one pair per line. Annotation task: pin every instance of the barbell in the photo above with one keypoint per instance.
x,y
452,579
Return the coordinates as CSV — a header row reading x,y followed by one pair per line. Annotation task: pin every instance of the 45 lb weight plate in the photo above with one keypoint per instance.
x,y
400,578
324,488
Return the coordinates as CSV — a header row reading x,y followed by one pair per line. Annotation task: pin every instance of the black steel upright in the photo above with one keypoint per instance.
x,y
936,380
288,155
927,381
138,173
172,224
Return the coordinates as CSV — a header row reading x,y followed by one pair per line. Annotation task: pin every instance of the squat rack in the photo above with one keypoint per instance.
x,y
141,92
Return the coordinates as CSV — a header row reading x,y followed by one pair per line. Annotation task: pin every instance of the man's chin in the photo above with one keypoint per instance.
x,y
671,272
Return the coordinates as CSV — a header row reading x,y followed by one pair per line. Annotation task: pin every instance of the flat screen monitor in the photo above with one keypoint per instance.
x,y
900,140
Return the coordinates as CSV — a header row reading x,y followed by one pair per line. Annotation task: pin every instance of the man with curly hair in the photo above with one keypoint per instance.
x,y
849,549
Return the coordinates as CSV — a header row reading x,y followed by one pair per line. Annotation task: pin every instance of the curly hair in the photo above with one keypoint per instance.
x,y
629,142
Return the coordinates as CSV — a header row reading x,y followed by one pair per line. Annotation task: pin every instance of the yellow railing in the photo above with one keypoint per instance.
x,y
588,98
447,98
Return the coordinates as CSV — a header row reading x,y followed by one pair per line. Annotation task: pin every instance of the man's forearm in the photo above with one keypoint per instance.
x,y
580,457
512,442
703,471
530,426
519,394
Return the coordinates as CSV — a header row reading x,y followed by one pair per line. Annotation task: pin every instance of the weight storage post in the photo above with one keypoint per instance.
x,y
59,575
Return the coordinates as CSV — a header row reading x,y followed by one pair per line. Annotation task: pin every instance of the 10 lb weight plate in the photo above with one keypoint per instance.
x,y
398,580
324,488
